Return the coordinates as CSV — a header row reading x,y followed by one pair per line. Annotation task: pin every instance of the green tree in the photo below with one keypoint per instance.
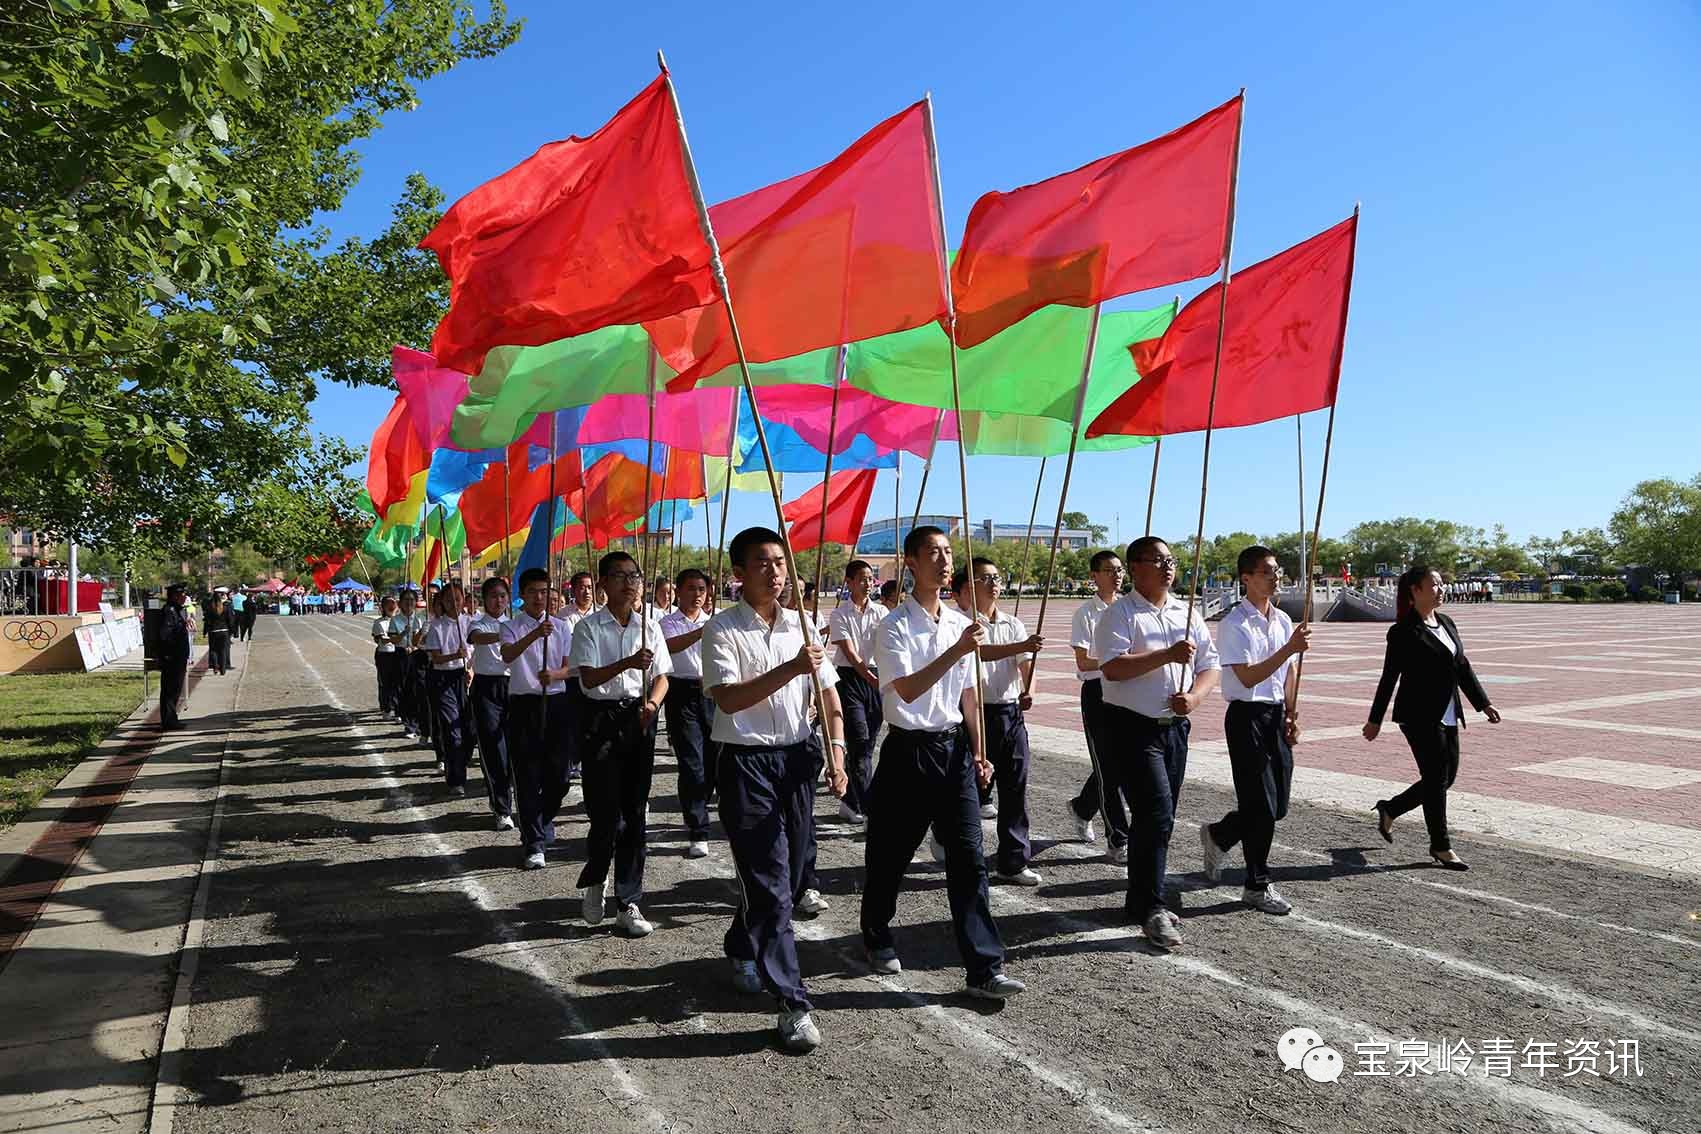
x,y
1080,522
1658,526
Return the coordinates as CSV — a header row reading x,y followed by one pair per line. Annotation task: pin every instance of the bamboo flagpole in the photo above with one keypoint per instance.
x,y
1299,448
827,476
649,476
1028,540
1323,478
1063,496
921,493
956,407
1216,373
719,268
726,495
507,517
1152,492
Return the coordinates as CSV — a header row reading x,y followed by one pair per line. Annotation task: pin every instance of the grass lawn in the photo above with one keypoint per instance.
x,y
50,721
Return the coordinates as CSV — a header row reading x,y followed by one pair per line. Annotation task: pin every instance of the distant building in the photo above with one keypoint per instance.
x,y
1069,539
21,542
877,535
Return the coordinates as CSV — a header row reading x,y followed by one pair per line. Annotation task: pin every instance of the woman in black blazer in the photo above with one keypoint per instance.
x,y
1426,659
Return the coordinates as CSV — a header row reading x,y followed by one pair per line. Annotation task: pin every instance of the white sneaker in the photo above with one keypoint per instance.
x,y
590,904
698,848
504,822
1163,929
744,976
1083,828
851,815
1118,856
1022,877
989,811
632,922
1268,900
534,861
813,903
937,847
798,1032
1211,852
997,987
885,961
440,767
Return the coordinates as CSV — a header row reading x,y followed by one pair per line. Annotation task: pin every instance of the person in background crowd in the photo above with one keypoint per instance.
x,y
851,632
690,713
1098,794
891,595
407,633
489,700
174,645
218,631
385,657
1007,659
446,644
541,718
662,605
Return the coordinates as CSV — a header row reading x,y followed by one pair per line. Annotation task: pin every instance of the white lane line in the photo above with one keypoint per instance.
x,y
1607,726
516,946
1623,773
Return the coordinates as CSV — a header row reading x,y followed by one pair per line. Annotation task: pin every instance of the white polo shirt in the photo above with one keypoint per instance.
x,y
599,640
407,625
525,672
487,658
858,627
909,639
1132,625
1246,637
448,635
381,635
738,646
572,618
1001,681
1081,626
689,661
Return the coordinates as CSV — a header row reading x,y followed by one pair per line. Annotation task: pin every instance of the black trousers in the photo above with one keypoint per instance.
x,y
860,702
1007,751
388,665
617,757
218,649
415,698
1436,749
1098,794
538,732
488,707
766,805
1262,764
173,673
927,779
452,734
690,717
1150,763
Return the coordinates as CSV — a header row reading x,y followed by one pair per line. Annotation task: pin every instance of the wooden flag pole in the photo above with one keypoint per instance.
x,y
726,494
826,476
719,268
649,476
1063,496
956,401
921,493
1216,373
585,527
1028,540
897,519
507,517
1152,492
1299,448
1328,444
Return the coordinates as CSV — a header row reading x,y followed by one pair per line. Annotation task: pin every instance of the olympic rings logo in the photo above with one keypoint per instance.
x,y
36,635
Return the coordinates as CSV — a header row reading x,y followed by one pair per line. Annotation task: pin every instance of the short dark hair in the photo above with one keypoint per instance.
x,y
749,538
1404,606
1251,559
490,585
692,573
856,565
982,561
959,580
577,575
607,562
1101,559
888,588
1142,545
917,536
532,575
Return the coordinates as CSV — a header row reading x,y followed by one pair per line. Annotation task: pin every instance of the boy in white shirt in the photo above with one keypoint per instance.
x,y
690,712
540,716
1007,660
407,634
384,657
446,681
1098,793
622,663
757,662
930,770
851,631
488,701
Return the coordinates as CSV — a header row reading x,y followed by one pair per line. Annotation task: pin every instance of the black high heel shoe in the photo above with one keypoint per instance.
x,y
1451,864
1384,821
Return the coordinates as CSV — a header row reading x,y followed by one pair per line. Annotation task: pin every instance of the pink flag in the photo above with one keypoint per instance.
x,y
697,420
432,393
889,425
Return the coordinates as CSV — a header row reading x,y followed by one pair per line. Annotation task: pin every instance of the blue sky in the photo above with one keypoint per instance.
x,y
1522,345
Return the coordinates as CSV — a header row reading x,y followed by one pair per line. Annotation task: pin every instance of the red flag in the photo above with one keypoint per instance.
x,y
481,504
1287,321
325,567
585,233
1153,215
613,496
394,457
848,494
845,252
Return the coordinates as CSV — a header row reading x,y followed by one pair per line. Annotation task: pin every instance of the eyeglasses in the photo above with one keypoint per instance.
x,y
990,580
1117,570
624,577
1161,561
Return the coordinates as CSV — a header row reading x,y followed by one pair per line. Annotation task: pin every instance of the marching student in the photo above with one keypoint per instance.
x,y
582,591
489,700
891,595
540,715
757,662
1145,644
384,657
446,645
407,634
690,711
625,682
929,774
1426,659
662,602
1004,728
1098,794
963,595
851,631
1256,644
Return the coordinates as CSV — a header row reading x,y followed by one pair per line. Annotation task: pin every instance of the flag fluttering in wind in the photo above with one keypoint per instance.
x,y
1147,217
848,494
394,457
1281,351
586,233
432,393
848,251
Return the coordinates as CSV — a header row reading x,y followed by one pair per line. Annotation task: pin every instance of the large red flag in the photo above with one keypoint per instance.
x,y
481,504
325,567
1287,322
1153,215
583,234
845,252
394,456
848,494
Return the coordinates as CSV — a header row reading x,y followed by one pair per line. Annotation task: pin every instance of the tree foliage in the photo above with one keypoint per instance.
x,y
1658,526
